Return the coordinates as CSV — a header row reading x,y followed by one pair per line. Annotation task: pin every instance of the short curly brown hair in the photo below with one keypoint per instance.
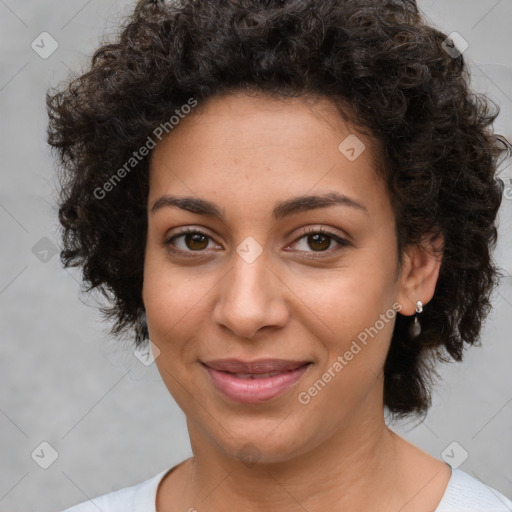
x,y
394,78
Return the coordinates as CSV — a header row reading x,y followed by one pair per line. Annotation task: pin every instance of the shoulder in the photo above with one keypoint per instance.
x,y
467,494
137,498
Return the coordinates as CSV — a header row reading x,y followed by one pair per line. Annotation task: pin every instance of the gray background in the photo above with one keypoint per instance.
x,y
110,418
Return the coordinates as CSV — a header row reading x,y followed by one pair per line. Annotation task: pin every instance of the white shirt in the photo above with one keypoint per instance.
x,y
463,494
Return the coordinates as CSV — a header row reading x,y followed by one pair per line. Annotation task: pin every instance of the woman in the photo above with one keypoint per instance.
x,y
295,201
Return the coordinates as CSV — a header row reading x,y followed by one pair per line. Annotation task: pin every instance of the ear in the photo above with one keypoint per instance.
x,y
419,273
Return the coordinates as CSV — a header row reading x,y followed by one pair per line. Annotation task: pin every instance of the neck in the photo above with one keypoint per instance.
x,y
337,474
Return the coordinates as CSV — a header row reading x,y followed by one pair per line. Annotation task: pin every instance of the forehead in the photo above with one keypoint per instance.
x,y
241,119
237,147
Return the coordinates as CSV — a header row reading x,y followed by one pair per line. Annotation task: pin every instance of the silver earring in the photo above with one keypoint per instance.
x,y
415,327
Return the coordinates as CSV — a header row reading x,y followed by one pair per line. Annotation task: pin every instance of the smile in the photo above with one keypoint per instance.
x,y
252,382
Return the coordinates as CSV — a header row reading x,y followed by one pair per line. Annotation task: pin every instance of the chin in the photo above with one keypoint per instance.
x,y
262,448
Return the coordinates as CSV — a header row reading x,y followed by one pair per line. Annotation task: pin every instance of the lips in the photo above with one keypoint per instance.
x,y
256,368
253,382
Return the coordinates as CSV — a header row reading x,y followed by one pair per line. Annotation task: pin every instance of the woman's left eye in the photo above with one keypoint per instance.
x,y
320,240
195,241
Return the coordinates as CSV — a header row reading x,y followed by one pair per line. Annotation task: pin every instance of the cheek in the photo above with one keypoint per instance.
x,y
346,301
360,326
170,292
351,312
178,305
168,298
172,303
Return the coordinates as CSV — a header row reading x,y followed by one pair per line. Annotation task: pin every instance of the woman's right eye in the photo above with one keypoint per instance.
x,y
190,240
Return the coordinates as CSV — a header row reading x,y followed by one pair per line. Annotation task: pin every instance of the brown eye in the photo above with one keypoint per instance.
x,y
196,241
189,241
319,242
316,240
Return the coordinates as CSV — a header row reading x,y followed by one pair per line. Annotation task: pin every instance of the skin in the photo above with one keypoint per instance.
x,y
294,301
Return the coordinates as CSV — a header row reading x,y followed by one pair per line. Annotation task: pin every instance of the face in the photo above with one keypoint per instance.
x,y
268,277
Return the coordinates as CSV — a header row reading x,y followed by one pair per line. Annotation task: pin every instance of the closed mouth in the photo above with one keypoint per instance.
x,y
260,368
254,382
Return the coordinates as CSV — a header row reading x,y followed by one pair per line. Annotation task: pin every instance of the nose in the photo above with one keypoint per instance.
x,y
250,297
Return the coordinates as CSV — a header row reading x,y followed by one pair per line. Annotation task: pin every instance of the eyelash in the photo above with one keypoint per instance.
x,y
310,231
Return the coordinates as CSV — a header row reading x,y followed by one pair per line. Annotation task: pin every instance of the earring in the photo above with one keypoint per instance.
x,y
415,326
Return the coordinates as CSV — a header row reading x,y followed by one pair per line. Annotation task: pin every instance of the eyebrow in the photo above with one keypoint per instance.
x,y
284,209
